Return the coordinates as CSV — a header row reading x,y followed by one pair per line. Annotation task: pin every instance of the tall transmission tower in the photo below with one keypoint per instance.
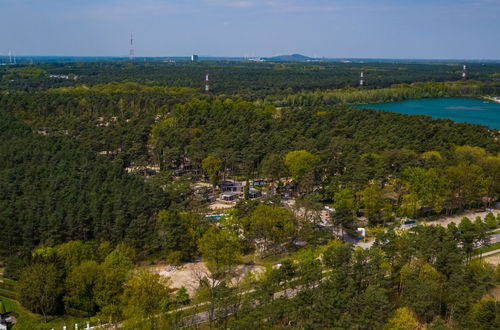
x,y
207,89
131,53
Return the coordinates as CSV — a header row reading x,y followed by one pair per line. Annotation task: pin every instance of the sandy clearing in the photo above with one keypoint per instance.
x,y
220,206
495,292
183,276
188,275
493,260
445,221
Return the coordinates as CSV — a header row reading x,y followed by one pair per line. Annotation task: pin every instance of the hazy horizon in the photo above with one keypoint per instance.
x,y
215,57
333,29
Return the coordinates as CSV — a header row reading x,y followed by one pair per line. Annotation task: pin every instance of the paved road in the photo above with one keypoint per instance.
x,y
495,238
203,317
490,253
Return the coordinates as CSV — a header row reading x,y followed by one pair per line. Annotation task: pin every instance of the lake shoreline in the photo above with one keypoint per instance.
x,y
476,111
482,98
495,99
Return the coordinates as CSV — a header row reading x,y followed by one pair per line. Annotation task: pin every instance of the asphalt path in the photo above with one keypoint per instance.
x,y
495,238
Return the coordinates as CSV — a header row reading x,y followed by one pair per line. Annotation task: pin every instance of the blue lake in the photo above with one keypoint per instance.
x,y
473,111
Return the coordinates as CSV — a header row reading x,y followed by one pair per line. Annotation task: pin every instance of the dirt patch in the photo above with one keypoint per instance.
x,y
220,206
493,260
457,218
495,292
189,275
183,276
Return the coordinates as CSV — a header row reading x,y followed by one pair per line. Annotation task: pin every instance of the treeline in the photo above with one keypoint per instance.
x,y
394,93
54,191
93,281
422,278
426,186
247,79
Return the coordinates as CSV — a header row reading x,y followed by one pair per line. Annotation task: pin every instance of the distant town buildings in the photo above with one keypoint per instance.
x,y
194,58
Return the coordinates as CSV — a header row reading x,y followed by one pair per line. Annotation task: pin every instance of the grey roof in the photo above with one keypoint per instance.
x,y
229,193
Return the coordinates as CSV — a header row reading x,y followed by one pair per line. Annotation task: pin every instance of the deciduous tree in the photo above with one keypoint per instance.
x,y
212,165
40,288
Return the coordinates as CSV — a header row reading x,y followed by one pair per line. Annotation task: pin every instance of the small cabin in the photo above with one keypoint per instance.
x,y
178,173
204,191
231,186
254,193
149,172
229,196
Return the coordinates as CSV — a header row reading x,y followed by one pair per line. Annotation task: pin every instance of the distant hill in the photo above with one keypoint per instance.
x,y
289,58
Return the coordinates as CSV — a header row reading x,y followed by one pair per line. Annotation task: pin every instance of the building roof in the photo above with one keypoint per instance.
x,y
229,193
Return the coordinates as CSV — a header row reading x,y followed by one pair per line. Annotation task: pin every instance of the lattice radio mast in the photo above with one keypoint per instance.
x,y
207,88
131,53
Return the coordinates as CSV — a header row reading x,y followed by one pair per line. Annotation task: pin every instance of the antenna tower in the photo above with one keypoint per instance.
x,y
131,53
207,89
464,72
362,79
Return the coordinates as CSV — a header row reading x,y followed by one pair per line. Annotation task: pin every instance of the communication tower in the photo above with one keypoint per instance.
x,y
131,53
207,89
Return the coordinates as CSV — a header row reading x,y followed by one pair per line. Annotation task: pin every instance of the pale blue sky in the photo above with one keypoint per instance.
x,y
455,29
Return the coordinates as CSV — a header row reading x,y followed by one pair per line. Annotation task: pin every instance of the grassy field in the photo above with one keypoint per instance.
x,y
7,294
28,320
7,288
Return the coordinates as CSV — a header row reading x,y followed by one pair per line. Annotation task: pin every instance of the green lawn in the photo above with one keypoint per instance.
x,y
27,320
9,304
7,294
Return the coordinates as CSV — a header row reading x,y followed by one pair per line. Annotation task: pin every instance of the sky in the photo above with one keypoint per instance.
x,y
410,29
